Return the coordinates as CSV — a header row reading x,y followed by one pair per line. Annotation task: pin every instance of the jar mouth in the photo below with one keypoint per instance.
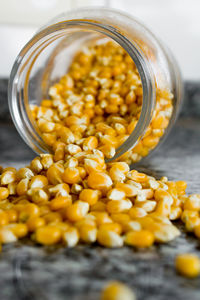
x,y
19,81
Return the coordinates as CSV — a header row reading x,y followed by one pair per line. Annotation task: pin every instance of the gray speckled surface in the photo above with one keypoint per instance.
x,y
30,272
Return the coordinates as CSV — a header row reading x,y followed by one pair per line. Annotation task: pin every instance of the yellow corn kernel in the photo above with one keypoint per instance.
x,y
4,193
72,162
60,202
24,173
19,230
144,194
191,223
12,215
137,212
49,138
181,187
87,220
22,186
8,177
88,233
175,213
189,213
82,172
48,235
131,126
45,126
192,203
38,195
66,135
12,188
71,175
131,225
59,151
4,219
128,189
61,189
116,194
120,129
76,188
46,160
34,223
116,227
120,218
115,290
108,150
101,217
139,239
165,233
90,196
5,205
90,143
159,219
28,210
121,166
51,217
116,174
98,206
54,173
150,141
46,103
63,226
92,165
77,211
36,165
136,176
109,140
38,181
117,206
44,209
161,194
159,122
108,238
99,181
188,265
7,236
96,155
164,207
71,237
72,149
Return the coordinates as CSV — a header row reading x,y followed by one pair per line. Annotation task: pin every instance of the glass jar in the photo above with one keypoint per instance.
x,y
47,56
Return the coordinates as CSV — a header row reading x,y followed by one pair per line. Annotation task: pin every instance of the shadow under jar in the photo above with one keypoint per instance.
x,y
48,56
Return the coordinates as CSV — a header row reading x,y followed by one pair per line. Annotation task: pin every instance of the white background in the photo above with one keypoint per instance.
x,y
176,22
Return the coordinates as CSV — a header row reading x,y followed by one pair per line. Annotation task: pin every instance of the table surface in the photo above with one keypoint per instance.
x,y
34,272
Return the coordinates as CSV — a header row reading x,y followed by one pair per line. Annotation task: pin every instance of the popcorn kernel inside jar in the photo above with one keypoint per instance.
x,y
97,105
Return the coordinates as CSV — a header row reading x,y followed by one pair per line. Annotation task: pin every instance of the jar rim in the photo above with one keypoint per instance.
x,y
18,110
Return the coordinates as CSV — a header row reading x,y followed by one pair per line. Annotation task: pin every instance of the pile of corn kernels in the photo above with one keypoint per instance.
x,y
97,106
73,196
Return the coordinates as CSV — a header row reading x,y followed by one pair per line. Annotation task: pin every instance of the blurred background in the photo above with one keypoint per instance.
x,y
176,22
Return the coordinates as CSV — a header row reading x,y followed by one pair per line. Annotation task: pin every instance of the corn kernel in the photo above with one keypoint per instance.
x,y
4,193
77,211
60,202
188,265
139,239
71,237
48,235
117,291
108,238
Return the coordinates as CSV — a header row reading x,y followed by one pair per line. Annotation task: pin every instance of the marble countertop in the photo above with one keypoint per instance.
x,y
33,272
